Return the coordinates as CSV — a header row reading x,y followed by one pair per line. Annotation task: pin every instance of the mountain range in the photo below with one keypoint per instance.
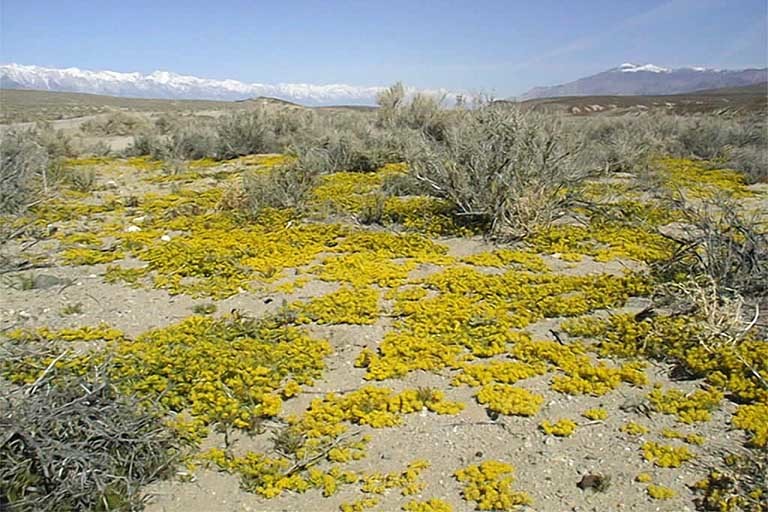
x,y
649,79
627,79
164,84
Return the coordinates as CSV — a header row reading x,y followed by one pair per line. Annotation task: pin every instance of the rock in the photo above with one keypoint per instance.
x,y
45,281
680,231
596,482
132,229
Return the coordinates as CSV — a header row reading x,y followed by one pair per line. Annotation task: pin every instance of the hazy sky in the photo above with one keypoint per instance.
x,y
493,46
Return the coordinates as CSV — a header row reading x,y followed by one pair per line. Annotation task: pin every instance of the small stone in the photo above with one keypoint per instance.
x,y
165,238
132,229
43,281
596,482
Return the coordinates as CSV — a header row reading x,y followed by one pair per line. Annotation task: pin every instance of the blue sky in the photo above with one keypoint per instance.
x,y
492,46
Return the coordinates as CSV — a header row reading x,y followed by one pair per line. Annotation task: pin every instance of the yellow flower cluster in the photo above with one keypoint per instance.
x,y
606,240
525,260
659,492
27,369
490,485
688,407
666,456
130,276
718,494
533,296
87,256
354,192
563,427
597,414
266,160
81,239
291,286
426,215
504,372
363,269
634,429
474,314
699,180
506,399
596,379
346,305
225,370
695,439
219,257
723,367
369,405
430,505
144,163
359,505
644,478
60,211
89,161
270,477
101,332
345,192
582,376
753,419
401,353
385,244
408,481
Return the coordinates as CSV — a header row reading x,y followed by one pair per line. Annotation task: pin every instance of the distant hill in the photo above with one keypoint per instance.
x,y
266,100
633,80
19,105
747,99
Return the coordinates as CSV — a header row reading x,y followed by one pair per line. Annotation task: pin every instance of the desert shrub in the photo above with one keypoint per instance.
x,y
720,242
74,443
713,137
752,161
55,142
116,123
244,133
82,179
389,101
508,169
285,186
625,144
351,142
191,141
149,142
403,184
24,170
165,123
288,124
99,148
736,483
420,112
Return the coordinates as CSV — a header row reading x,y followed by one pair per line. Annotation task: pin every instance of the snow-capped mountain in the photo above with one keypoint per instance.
x,y
164,84
649,79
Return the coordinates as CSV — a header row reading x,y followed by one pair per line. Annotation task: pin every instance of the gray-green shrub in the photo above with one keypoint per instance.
x,y
502,167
